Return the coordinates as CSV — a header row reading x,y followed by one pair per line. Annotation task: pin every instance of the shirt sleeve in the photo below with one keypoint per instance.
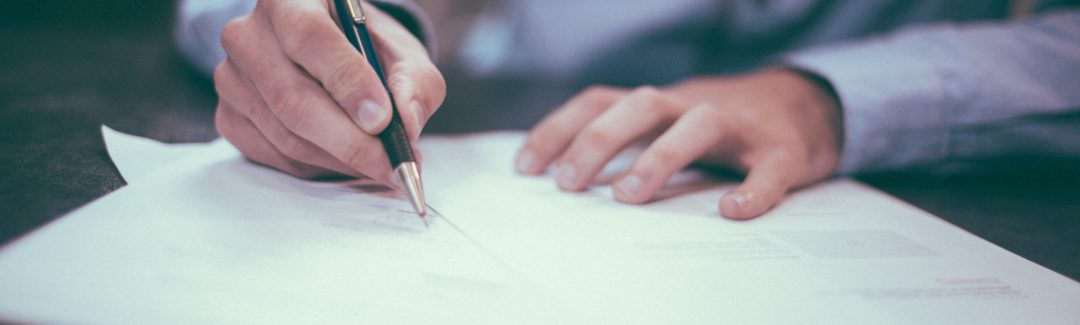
x,y
936,95
199,24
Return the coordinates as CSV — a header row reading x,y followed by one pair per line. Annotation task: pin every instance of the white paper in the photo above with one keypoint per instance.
x,y
137,157
839,252
214,239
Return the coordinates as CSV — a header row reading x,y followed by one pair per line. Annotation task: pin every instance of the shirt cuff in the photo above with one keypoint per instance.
x,y
199,25
893,100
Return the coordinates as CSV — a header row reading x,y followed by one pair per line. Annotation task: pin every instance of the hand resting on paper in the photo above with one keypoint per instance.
x,y
777,126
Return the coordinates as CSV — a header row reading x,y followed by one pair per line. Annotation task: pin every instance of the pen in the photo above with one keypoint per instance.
x,y
394,139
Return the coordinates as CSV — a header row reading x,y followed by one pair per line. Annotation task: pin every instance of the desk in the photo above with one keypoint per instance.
x,y
113,62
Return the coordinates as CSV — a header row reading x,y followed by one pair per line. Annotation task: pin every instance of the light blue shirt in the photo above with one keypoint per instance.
x,y
922,83
947,95
199,24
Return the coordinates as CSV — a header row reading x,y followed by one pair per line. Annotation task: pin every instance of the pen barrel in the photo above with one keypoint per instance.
x,y
396,142
394,138
368,47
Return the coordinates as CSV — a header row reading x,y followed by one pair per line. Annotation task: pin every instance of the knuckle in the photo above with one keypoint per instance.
x,y
422,81
594,95
222,123
220,78
662,157
288,99
593,138
712,113
345,79
435,82
401,84
430,72
233,34
710,118
226,81
592,100
432,75
290,107
292,146
647,91
647,96
301,23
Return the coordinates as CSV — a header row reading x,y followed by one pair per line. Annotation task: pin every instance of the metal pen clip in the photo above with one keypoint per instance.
x,y
356,11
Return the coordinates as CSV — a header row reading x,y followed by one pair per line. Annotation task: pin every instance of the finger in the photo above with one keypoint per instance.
x,y
419,90
549,138
241,97
417,85
246,138
309,36
300,104
764,187
639,113
394,41
694,133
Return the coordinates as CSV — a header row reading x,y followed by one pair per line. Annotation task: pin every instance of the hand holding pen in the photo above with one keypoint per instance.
x,y
399,150
295,95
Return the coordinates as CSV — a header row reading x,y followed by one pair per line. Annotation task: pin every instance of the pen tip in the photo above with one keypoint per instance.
x,y
410,178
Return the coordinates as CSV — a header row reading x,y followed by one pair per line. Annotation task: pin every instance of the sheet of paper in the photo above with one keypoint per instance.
x,y
137,157
839,252
215,239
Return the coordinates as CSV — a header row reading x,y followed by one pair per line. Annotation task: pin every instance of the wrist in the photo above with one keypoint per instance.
x,y
822,98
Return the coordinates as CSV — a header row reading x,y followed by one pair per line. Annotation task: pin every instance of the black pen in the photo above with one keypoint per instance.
x,y
394,139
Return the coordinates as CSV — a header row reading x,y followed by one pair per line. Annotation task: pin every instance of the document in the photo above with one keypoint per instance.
x,y
216,239
838,252
136,157
213,238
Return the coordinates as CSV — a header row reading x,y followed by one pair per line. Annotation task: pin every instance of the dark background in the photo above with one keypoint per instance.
x,y
67,67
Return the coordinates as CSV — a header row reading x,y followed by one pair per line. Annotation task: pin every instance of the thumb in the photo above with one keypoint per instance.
x,y
764,187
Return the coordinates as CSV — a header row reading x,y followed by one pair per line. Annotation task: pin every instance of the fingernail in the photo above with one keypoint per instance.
x,y
629,186
567,175
739,199
369,116
525,161
418,114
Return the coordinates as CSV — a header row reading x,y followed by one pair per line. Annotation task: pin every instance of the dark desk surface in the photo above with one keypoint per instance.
x,y
112,62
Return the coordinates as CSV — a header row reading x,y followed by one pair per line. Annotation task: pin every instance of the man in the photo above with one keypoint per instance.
x,y
825,87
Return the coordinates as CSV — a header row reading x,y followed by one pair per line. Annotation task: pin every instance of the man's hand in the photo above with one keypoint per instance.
x,y
295,95
779,128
